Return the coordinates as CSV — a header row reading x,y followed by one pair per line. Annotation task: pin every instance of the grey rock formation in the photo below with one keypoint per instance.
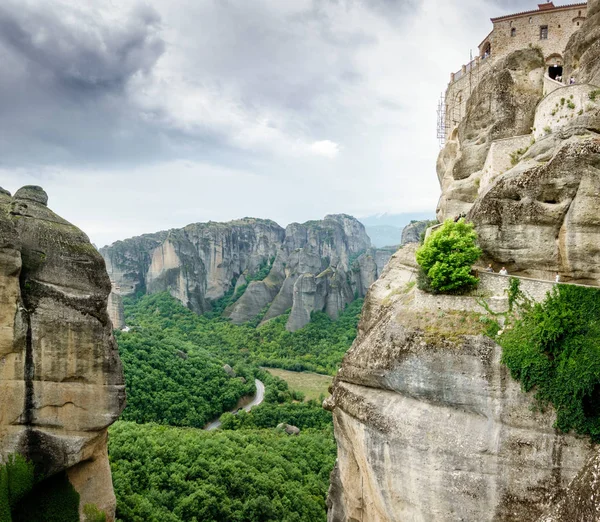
x,y
61,380
525,166
195,264
581,57
116,311
430,426
289,429
542,216
202,262
412,232
501,106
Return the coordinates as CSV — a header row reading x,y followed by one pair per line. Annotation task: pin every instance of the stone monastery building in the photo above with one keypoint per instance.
x,y
549,28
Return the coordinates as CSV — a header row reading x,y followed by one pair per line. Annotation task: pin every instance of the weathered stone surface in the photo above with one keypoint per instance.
x,y
289,429
116,310
581,501
583,50
431,427
59,364
542,217
412,232
195,264
501,106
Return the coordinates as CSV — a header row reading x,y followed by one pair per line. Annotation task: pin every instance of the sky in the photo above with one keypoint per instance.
x,y
143,116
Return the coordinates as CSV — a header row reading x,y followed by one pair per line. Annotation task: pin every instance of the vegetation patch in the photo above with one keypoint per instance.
x,y
173,359
167,474
554,349
27,498
446,258
311,385
438,325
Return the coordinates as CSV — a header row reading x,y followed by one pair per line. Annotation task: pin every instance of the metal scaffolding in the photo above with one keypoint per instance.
x,y
441,122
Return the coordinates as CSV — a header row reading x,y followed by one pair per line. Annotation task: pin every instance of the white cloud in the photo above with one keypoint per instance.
x,y
325,148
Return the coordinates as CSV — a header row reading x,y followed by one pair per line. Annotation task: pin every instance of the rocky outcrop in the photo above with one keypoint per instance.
x,y
60,375
525,167
412,232
116,311
311,272
429,424
501,106
581,57
318,265
195,264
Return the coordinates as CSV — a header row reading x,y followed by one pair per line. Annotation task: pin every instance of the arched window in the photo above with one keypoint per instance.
x,y
513,32
487,50
531,19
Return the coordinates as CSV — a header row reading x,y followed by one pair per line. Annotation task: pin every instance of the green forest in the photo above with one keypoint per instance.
x,y
165,467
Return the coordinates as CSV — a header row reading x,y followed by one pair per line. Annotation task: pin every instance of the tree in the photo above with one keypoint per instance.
x,y
446,258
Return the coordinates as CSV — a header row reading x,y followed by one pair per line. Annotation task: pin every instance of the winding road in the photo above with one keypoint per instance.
x,y
258,398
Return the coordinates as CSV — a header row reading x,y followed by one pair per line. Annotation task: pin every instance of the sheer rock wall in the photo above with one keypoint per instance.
x,y
60,375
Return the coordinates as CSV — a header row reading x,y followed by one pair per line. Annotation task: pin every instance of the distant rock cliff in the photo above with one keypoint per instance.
x,y
61,380
412,232
318,265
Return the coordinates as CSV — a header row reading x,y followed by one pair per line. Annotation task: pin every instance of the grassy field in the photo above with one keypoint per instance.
x,y
312,385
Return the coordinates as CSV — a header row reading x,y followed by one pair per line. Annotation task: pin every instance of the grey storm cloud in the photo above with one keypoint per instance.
x,y
88,54
63,93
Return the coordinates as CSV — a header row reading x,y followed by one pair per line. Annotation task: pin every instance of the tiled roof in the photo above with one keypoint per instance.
x,y
546,10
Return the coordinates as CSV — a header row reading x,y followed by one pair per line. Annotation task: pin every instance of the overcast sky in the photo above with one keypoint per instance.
x,y
142,116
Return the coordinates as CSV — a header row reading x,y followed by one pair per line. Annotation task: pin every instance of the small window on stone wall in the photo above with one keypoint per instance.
x,y
531,19
513,32
543,32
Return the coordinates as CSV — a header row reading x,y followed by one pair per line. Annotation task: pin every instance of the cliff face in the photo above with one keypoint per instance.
x,y
429,424
59,364
412,232
525,167
196,263
318,265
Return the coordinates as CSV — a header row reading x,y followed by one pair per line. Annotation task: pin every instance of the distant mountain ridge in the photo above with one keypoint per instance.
x,y
386,229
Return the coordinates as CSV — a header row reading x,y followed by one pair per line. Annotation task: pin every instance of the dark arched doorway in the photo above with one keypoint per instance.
x,y
555,72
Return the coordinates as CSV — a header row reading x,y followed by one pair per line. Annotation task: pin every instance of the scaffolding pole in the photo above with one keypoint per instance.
x,y
441,122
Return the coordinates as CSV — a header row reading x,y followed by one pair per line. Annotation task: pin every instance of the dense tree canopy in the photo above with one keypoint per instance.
x,y
247,471
166,474
319,346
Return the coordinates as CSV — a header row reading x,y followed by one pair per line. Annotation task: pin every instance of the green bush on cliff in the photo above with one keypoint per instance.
x,y
446,258
554,349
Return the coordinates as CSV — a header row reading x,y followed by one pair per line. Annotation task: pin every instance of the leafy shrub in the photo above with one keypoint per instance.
x,y
554,349
446,258
594,94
